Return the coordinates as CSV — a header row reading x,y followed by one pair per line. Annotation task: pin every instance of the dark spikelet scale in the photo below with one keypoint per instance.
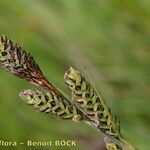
x,y
14,59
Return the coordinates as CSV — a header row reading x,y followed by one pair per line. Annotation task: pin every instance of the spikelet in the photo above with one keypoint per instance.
x,y
50,103
14,59
90,103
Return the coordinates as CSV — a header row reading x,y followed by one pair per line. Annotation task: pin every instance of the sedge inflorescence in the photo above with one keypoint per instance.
x,y
85,103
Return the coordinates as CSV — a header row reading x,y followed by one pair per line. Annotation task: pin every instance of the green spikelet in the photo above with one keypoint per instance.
x,y
50,103
90,103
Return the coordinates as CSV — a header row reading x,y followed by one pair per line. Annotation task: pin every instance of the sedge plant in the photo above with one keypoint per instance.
x,y
85,103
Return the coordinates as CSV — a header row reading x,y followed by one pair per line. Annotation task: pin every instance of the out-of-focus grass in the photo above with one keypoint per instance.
x,y
110,37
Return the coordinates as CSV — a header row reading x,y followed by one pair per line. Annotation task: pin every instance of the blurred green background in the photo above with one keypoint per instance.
x,y
110,38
